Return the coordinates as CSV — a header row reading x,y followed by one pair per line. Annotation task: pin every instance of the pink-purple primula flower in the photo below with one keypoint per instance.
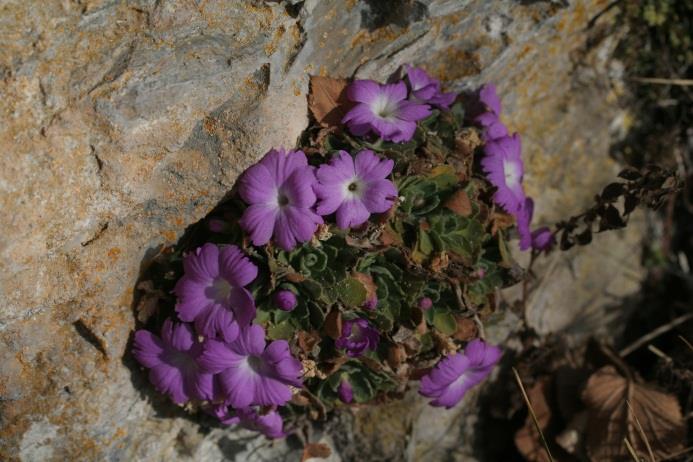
x,y
383,110
504,169
489,115
524,220
212,291
172,362
345,391
357,337
285,300
426,89
355,187
455,374
279,192
266,421
540,239
543,239
251,372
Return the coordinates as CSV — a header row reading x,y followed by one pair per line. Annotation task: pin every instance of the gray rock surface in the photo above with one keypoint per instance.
x,y
123,122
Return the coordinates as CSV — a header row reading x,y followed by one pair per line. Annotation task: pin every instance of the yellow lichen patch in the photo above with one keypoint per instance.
x,y
271,46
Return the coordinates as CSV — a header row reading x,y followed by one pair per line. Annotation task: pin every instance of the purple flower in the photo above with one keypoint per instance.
x,y
285,300
504,169
357,337
172,362
426,89
250,372
383,109
540,239
492,125
279,191
355,188
455,374
425,303
345,392
211,292
489,98
269,422
543,239
524,219
488,113
371,303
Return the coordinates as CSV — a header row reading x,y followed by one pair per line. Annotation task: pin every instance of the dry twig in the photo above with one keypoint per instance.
x,y
532,413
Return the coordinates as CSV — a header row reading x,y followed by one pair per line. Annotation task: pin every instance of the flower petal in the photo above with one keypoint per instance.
x,y
236,267
243,305
251,341
147,348
259,221
257,185
298,188
179,336
364,91
203,263
239,385
169,381
192,297
379,196
217,356
369,167
351,213
412,111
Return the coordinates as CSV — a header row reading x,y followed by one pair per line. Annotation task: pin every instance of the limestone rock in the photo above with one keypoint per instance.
x,y
124,121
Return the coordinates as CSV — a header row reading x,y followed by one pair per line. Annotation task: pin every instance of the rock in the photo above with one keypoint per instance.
x,y
126,121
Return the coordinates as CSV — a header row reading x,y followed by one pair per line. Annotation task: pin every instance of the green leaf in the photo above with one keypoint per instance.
x,y
352,292
362,388
445,322
283,330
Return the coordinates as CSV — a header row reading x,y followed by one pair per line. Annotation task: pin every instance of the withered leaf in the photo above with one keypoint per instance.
x,y
396,355
460,203
368,283
315,450
307,341
333,324
466,329
149,301
327,100
607,396
501,221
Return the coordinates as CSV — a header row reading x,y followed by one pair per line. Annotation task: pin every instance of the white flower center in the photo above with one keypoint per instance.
x,y
354,188
384,108
511,172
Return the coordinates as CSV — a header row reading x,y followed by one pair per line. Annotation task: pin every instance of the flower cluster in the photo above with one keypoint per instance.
x,y
282,192
392,110
330,278
218,355
505,170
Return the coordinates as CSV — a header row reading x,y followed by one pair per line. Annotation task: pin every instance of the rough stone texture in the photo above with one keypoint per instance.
x,y
125,121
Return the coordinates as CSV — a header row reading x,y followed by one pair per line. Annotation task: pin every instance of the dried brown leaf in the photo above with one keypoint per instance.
x,y
501,221
368,283
610,419
149,300
327,100
307,341
396,355
460,203
333,324
316,450
466,329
